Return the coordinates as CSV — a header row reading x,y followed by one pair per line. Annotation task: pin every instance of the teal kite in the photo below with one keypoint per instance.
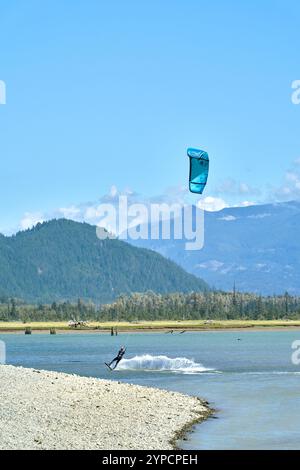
x,y
199,167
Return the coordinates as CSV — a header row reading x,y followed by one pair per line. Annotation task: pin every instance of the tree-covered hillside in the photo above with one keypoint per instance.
x,y
64,260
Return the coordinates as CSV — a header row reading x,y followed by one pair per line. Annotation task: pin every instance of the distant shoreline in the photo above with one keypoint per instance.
x,y
167,327
61,411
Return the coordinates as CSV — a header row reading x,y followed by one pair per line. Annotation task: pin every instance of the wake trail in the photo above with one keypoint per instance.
x,y
147,362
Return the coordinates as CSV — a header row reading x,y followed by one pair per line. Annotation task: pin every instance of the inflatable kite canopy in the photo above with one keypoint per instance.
x,y
199,167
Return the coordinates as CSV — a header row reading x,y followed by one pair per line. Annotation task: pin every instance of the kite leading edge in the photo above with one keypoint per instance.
x,y
199,167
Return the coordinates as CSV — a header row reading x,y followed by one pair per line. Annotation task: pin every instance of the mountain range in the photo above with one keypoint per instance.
x,y
257,248
64,260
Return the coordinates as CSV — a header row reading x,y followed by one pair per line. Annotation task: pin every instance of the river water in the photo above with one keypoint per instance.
x,y
247,376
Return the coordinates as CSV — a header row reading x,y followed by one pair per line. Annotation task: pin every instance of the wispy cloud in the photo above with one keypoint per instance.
x,y
211,265
91,212
290,188
70,212
234,191
231,187
229,193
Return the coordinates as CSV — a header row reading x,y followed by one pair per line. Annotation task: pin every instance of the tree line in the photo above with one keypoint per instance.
x,y
212,305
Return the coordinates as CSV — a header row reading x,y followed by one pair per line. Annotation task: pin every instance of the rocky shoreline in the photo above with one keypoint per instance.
x,y
51,410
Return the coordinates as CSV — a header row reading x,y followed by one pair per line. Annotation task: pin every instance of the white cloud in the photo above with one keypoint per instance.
x,y
297,161
69,212
293,178
227,269
260,265
30,220
244,188
241,268
113,191
290,188
245,204
229,193
173,195
92,212
212,204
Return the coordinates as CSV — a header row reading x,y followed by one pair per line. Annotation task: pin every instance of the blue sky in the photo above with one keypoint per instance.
x,y
103,94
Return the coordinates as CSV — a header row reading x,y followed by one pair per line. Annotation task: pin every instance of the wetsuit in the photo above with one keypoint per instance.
x,y
118,358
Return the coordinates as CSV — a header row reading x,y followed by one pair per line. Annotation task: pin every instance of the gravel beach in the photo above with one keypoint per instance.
x,y
51,410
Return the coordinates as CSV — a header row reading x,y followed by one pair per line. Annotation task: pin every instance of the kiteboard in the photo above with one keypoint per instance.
x,y
108,366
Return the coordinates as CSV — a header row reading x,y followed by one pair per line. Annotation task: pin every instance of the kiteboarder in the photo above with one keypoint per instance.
x,y
117,359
